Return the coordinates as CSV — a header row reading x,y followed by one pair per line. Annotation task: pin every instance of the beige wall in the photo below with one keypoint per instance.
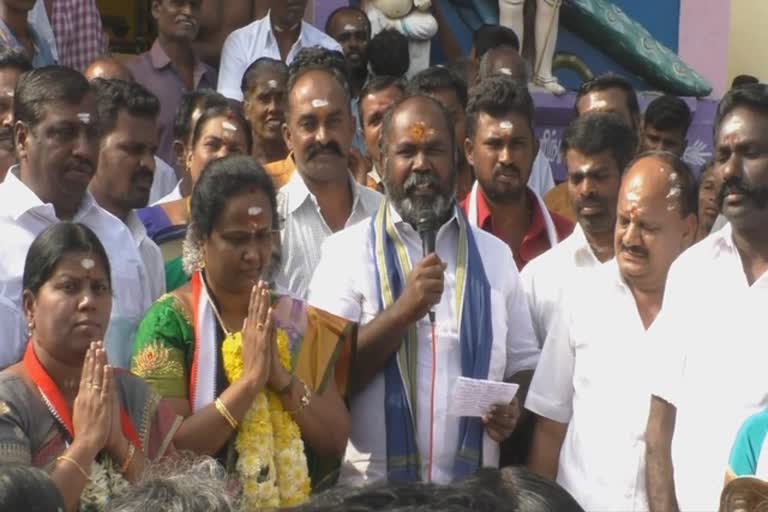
x,y
748,52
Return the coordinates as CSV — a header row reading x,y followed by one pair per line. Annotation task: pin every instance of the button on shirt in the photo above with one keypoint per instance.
x,y
593,376
711,343
155,71
345,284
247,44
546,276
23,216
304,229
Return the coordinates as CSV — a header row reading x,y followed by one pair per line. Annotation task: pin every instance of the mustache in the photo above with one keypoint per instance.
x,y
317,148
418,179
737,185
77,162
143,174
635,250
507,169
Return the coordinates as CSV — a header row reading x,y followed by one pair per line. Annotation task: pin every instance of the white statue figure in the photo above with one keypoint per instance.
x,y
547,19
411,18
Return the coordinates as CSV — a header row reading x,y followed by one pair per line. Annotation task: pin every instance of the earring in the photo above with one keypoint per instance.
x,y
30,326
200,265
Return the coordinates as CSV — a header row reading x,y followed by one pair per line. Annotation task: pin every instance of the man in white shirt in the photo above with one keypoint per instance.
x,y
596,149
278,35
57,140
590,389
710,375
321,197
126,165
401,427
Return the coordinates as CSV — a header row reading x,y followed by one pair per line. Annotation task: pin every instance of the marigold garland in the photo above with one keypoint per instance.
x,y
271,461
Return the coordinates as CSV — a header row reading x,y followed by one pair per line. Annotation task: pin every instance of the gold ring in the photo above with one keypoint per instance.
x,y
260,326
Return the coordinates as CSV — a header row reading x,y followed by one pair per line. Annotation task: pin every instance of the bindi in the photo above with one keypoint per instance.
x,y
87,264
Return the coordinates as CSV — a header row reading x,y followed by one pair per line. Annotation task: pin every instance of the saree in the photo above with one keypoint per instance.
x,y
30,434
176,352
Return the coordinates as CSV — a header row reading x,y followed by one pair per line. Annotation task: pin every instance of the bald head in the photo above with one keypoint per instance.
x,y
108,68
504,61
656,219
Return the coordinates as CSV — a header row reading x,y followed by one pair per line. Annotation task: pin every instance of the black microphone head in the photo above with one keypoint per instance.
x,y
427,227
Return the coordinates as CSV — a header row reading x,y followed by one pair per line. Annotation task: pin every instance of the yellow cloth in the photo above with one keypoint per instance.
x,y
281,170
558,201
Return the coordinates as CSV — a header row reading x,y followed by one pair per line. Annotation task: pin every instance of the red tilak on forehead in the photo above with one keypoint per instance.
x,y
419,131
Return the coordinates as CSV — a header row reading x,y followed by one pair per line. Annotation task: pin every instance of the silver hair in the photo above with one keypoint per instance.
x,y
181,483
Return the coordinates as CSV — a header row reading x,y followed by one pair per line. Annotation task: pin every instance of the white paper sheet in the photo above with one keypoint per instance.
x,y
474,397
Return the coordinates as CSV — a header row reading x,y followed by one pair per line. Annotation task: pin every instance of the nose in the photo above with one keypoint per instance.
x,y
252,254
322,136
421,163
631,235
731,168
85,145
148,161
87,299
505,157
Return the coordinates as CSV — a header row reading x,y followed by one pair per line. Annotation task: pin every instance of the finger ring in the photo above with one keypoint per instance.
x,y
260,326
95,386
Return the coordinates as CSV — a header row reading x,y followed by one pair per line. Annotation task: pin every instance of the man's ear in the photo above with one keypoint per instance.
x,y
179,152
21,138
287,137
691,228
469,148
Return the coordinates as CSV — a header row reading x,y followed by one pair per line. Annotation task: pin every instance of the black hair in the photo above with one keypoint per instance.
x,y
24,487
493,36
668,112
198,99
320,59
14,59
344,9
51,245
376,84
389,114
752,97
684,180
231,113
42,86
601,131
257,66
435,78
112,96
221,180
610,81
388,53
741,80
498,96
513,489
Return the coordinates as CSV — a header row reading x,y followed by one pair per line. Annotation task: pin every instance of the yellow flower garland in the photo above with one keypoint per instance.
x,y
271,461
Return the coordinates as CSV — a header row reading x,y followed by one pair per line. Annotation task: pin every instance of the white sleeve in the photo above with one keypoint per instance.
x,y
551,391
232,66
522,348
163,182
541,180
333,286
529,278
14,339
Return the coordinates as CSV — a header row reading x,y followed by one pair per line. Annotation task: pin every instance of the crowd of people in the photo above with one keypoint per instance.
x,y
258,287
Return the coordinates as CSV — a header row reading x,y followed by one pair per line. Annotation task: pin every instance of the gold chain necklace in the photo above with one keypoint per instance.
x,y
227,332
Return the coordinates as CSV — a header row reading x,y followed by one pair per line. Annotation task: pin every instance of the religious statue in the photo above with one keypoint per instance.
x,y
413,19
545,28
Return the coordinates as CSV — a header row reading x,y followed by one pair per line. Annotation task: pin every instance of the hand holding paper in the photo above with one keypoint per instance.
x,y
475,397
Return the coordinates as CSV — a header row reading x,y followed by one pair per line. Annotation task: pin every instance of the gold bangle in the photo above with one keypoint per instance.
x,y
225,413
304,401
74,463
128,458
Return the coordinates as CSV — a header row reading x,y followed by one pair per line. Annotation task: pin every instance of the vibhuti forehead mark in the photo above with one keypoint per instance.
x,y
506,126
84,117
349,28
319,103
254,211
596,103
505,71
272,84
87,263
228,126
731,128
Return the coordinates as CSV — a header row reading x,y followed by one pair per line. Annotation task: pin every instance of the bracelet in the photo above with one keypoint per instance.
x,y
128,458
74,463
306,398
285,389
225,413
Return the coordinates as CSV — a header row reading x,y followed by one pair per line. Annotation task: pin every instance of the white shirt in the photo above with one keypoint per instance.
x,y
245,45
593,376
23,216
547,275
164,181
345,285
150,255
712,346
541,180
304,229
173,195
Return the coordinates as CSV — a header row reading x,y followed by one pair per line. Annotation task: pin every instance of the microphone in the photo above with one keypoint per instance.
x,y
427,227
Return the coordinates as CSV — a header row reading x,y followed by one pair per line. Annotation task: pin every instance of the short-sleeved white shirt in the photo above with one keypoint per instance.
x,y
593,376
712,347
541,180
547,275
345,285
23,216
150,254
163,182
245,45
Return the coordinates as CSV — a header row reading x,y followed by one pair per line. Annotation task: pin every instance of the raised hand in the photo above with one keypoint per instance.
x,y
258,336
423,288
501,422
92,409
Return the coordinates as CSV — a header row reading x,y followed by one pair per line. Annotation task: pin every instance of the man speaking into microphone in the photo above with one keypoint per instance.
x,y
404,423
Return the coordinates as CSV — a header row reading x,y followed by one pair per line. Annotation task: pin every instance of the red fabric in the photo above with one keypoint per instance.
x,y
535,241
78,32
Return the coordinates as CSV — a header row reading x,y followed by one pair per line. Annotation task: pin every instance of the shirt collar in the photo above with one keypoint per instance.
x,y
406,228
271,36
582,251
160,60
298,192
20,199
485,219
